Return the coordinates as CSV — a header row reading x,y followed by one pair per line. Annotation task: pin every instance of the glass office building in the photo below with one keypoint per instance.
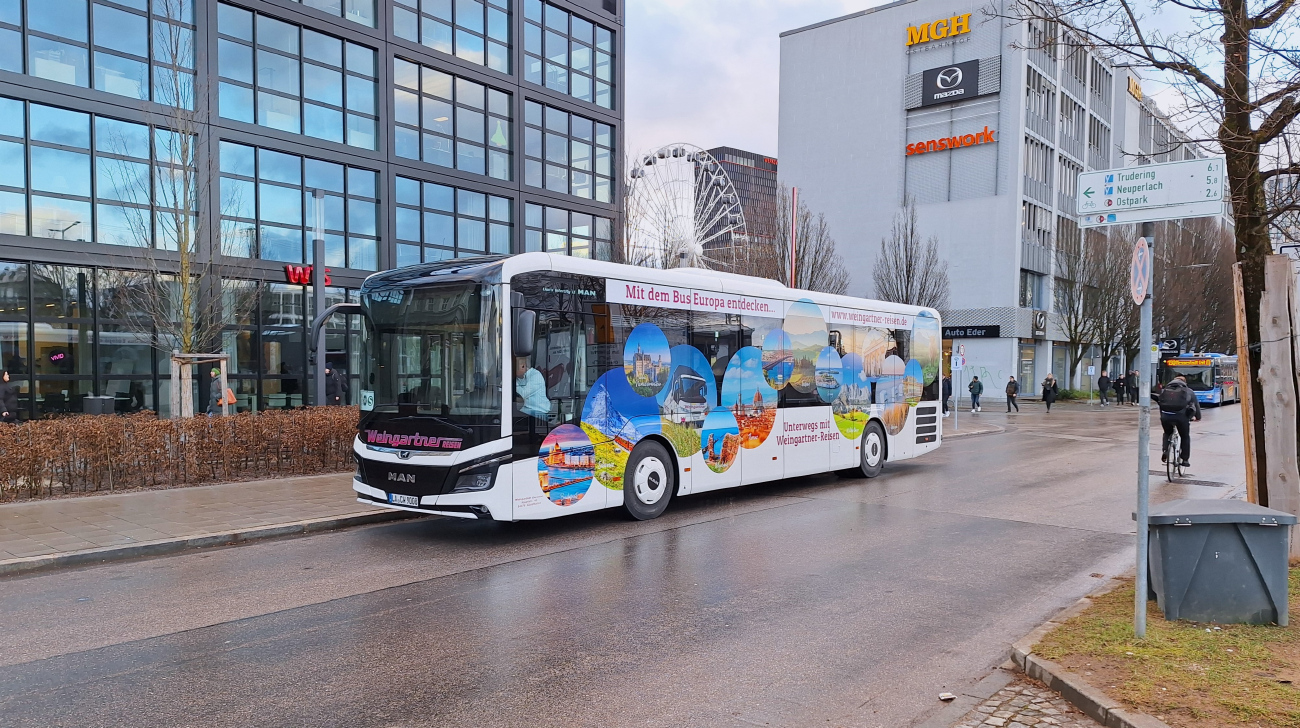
x,y
434,129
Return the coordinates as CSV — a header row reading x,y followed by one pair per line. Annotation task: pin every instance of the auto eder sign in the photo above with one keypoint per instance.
x,y
950,83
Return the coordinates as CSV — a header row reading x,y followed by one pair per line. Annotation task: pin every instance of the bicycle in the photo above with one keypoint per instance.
x,y
1173,466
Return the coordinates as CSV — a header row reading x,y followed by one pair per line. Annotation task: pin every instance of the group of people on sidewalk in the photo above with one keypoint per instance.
x,y
1125,385
336,390
1051,392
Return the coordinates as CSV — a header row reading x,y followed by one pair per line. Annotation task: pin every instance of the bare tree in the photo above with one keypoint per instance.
x,y
765,249
908,270
181,306
1075,292
1193,270
1235,63
1114,317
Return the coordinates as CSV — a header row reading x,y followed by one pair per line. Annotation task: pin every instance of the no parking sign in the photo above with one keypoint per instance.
x,y
1139,281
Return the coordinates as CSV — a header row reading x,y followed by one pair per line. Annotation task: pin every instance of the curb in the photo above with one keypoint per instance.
x,y
31,564
997,429
1072,686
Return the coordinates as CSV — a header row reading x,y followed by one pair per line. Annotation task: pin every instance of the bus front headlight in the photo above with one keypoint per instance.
x,y
479,476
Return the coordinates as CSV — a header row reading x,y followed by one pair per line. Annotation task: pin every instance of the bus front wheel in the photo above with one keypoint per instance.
x,y
873,449
648,481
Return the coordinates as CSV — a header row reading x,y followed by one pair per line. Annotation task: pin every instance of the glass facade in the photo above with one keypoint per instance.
x,y
556,230
471,30
435,222
267,207
449,121
121,47
404,114
282,76
567,53
568,153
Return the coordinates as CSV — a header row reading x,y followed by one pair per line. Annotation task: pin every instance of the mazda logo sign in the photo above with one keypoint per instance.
x,y
948,78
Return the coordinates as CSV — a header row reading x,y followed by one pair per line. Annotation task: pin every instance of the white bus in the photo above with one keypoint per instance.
x,y
538,385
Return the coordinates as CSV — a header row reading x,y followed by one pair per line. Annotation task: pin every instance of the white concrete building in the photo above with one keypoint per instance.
x,y
939,101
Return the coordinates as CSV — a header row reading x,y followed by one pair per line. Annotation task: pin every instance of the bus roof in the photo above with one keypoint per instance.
x,y
498,268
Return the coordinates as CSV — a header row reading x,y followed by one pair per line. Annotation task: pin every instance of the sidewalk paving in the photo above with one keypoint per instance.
x,y
66,531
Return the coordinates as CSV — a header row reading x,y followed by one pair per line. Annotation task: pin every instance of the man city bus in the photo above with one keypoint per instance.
x,y
537,385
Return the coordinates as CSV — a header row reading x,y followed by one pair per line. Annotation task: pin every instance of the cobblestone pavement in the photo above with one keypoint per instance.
x,y
1022,704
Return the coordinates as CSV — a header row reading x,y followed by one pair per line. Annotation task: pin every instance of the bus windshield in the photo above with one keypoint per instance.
x,y
1199,379
435,361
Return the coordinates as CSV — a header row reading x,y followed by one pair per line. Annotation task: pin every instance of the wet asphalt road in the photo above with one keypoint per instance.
x,y
814,601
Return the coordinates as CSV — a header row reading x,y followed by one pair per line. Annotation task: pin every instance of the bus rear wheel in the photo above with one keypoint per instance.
x,y
648,481
873,449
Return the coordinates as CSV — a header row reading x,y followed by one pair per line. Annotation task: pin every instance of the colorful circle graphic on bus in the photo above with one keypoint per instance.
x,y
889,386
829,374
873,346
777,361
720,440
927,346
565,465
615,418
687,398
807,330
646,359
895,417
853,402
748,396
912,384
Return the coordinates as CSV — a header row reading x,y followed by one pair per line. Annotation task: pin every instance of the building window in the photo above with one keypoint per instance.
x,y
1076,61
1068,173
1100,82
568,153
93,178
469,29
568,54
361,12
1098,143
1038,162
121,49
450,121
1031,289
556,230
1071,119
1036,224
436,222
296,80
267,207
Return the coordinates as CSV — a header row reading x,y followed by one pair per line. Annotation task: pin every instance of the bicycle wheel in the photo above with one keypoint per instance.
x,y
1171,458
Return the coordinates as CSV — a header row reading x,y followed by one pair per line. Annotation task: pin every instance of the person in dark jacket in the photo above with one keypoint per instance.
x,y
336,387
1131,385
8,400
1050,391
1013,389
1178,406
976,388
947,393
1117,384
216,395
1103,386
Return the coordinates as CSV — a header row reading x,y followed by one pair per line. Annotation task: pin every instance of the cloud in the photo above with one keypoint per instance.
x,y
706,73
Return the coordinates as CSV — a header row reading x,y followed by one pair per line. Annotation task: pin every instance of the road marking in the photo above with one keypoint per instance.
x,y
1061,436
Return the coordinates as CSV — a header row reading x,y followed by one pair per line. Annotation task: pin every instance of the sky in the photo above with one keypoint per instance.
x,y
705,72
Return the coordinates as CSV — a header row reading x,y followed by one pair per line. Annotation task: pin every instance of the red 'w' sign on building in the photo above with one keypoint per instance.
x,y
302,274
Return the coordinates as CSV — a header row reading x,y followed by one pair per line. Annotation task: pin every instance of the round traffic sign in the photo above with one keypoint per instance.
x,y
1139,279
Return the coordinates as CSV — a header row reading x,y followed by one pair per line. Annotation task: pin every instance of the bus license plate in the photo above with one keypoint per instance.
x,y
404,500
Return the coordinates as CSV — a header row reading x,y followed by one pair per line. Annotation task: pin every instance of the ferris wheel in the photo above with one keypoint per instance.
x,y
681,207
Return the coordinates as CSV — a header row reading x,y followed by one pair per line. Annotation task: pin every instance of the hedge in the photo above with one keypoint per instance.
x,y
86,453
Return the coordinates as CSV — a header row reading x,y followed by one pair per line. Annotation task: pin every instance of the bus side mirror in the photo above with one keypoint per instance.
x,y
525,332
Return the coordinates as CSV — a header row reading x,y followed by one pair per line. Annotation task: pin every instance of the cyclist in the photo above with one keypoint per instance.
x,y
1177,406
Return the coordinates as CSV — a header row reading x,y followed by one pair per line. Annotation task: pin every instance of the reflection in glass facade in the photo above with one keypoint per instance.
x,y
567,53
449,121
556,230
267,207
120,48
279,75
471,30
448,222
568,153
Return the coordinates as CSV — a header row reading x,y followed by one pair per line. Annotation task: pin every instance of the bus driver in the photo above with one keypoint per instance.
x,y
530,385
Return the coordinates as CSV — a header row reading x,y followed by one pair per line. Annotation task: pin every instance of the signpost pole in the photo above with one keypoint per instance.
x,y
318,293
1144,441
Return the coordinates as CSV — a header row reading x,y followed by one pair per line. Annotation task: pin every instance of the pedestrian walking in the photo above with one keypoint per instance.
x,y
8,400
1131,387
1013,389
1117,386
336,387
947,393
216,396
976,388
1050,391
1103,387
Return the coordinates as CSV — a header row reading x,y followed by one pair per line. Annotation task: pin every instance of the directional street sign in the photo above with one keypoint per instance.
x,y
1122,192
1139,275
1153,214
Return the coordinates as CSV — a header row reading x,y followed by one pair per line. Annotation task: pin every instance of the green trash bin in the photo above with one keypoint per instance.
x,y
1220,561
